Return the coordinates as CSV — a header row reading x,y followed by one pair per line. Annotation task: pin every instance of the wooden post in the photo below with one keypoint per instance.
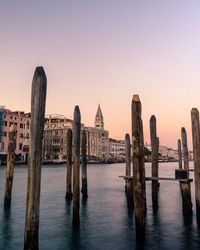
x,y
68,195
10,166
139,189
185,186
186,198
76,165
196,152
38,99
185,148
129,182
154,160
84,190
128,155
179,154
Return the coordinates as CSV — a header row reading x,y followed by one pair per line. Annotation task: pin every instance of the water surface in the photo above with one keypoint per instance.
x,y
106,222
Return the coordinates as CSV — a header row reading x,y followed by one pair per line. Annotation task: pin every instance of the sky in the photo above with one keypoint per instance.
x,y
103,52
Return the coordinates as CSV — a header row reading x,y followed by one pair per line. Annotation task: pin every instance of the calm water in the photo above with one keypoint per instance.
x,y
105,220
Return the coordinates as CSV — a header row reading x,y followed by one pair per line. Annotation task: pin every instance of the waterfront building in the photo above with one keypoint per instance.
x,y
116,149
22,121
55,134
97,143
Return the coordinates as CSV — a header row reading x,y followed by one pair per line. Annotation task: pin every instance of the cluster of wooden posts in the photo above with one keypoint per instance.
x,y
135,185
74,137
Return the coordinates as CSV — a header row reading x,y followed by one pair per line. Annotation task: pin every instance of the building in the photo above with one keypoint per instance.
x,y
116,149
97,138
99,123
22,121
97,143
55,135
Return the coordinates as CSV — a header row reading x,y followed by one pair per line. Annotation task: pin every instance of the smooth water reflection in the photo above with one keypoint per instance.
x,y
106,222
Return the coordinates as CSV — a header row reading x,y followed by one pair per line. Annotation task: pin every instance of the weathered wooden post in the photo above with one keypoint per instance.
x,y
186,198
185,148
185,186
38,99
68,195
128,155
196,152
129,182
84,190
76,165
139,186
179,154
10,166
154,160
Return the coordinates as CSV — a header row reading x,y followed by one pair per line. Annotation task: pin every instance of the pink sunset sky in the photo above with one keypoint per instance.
x,y
104,52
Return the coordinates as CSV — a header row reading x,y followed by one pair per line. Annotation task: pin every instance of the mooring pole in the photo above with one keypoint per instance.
x,y
186,198
185,186
154,160
84,189
68,195
76,165
185,148
179,154
196,152
128,182
38,99
10,166
139,186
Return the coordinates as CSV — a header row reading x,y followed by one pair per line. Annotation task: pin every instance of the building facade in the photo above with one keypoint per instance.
x,y
116,149
55,137
22,122
97,143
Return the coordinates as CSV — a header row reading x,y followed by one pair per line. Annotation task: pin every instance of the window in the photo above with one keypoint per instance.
x,y
5,123
10,124
21,125
27,125
20,146
5,133
20,135
11,117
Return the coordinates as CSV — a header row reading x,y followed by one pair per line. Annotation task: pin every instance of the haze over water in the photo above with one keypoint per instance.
x,y
106,222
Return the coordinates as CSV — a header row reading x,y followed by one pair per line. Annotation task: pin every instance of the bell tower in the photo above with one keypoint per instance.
x,y
99,119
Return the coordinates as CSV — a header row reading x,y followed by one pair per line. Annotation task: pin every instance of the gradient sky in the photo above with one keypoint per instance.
x,y
104,51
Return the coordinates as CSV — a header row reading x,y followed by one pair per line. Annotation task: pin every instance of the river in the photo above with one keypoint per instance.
x,y
106,222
